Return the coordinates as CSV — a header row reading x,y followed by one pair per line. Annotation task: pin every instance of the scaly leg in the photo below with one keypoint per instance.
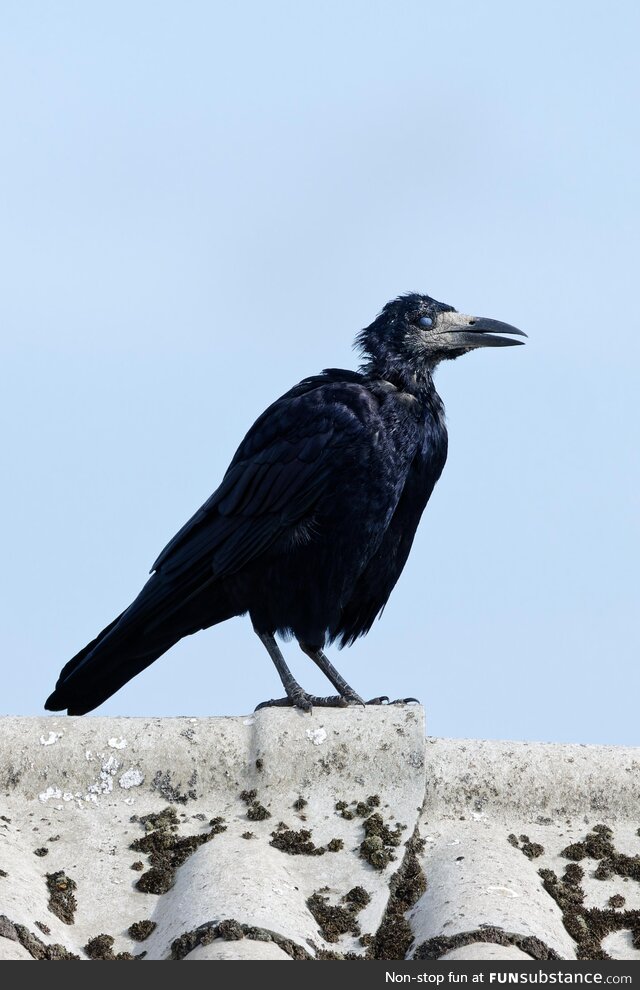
x,y
346,692
330,672
296,696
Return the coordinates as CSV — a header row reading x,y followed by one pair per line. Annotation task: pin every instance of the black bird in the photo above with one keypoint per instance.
x,y
314,520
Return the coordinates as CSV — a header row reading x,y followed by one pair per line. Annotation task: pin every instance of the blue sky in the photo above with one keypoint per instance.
x,y
201,204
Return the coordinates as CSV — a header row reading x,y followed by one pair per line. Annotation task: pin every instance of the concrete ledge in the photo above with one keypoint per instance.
x,y
281,835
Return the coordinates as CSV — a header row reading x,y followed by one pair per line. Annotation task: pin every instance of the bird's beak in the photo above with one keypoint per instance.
x,y
477,331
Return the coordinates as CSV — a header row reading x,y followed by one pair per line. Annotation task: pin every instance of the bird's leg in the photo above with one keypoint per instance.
x,y
348,695
296,696
330,672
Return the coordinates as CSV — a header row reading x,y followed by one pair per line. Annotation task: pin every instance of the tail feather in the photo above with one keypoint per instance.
x,y
130,643
75,662
103,671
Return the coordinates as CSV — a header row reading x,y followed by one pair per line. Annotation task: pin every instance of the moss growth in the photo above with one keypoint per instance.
x,y
140,930
589,926
357,895
256,812
34,946
38,949
231,929
598,844
433,948
167,850
407,885
343,808
300,843
334,920
62,901
295,843
101,947
167,818
360,808
530,849
379,841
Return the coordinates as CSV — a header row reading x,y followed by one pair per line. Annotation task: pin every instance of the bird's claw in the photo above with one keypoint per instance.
x,y
384,700
273,703
349,698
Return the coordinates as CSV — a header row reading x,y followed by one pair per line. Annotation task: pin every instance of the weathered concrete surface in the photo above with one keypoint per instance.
x,y
486,950
13,950
219,949
469,825
540,798
548,779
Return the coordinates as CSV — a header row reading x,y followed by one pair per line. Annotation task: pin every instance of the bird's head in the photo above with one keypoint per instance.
x,y
414,333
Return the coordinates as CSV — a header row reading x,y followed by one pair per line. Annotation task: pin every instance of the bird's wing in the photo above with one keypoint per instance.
x,y
292,456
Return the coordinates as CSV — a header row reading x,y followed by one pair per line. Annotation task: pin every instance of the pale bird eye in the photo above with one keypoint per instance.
x,y
426,321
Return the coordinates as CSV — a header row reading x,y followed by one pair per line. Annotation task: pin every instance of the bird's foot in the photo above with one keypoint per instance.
x,y
297,699
306,702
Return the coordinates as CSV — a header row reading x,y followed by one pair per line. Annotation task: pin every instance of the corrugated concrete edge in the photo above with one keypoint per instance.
x,y
341,834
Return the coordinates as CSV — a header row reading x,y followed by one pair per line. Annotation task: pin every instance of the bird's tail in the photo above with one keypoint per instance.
x,y
151,625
